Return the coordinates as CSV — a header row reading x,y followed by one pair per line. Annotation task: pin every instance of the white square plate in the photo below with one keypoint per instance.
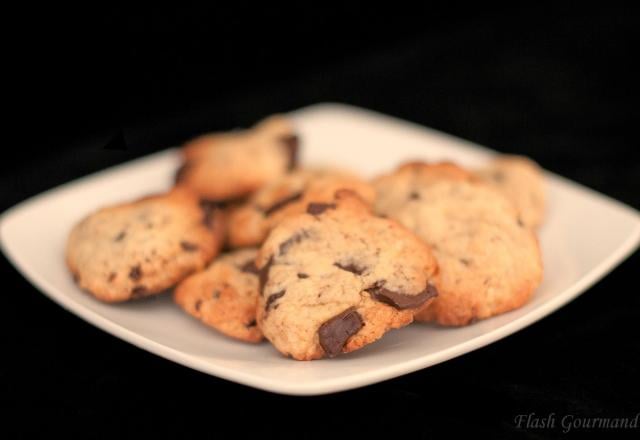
x,y
585,236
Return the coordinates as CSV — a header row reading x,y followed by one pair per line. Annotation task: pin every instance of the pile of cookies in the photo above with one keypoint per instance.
x,y
318,261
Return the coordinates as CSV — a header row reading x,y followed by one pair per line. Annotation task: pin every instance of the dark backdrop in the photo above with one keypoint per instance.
x,y
560,89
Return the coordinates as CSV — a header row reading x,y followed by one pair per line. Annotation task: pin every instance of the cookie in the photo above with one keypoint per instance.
x,y
337,278
489,260
225,295
232,165
521,181
289,195
142,248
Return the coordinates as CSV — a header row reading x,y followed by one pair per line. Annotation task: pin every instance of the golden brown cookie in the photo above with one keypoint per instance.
x,y
142,248
225,295
337,278
232,165
521,181
289,195
489,260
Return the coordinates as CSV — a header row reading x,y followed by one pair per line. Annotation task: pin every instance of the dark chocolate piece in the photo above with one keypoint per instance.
x,y
209,210
251,323
319,208
250,267
273,298
399,300
334,333
295,239
188,247
135,273
120,236
282,203
303,275
351,267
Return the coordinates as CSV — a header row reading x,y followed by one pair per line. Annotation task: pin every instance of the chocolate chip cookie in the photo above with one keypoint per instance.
x,y
289,195
232,165
225,295
337,278
489,260
142,248
521,181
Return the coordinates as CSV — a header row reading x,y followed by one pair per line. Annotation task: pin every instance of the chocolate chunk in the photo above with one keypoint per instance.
x,y
112,276
209,211
251,324
188,247
292,144
319,208
182,172
273,298
197,305
295,239
282,203
138,292
215,294
415,195
465,261
334,333
351,267
120,236
520,222
250,267
303,275
399,300
135,273
264,273
76,277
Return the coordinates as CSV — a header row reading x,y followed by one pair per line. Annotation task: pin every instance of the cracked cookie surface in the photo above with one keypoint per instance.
x,y
337,278
228,166
489,260
225,295
142,248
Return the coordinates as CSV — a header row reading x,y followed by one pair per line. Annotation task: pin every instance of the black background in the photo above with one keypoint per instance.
x,y
559,87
